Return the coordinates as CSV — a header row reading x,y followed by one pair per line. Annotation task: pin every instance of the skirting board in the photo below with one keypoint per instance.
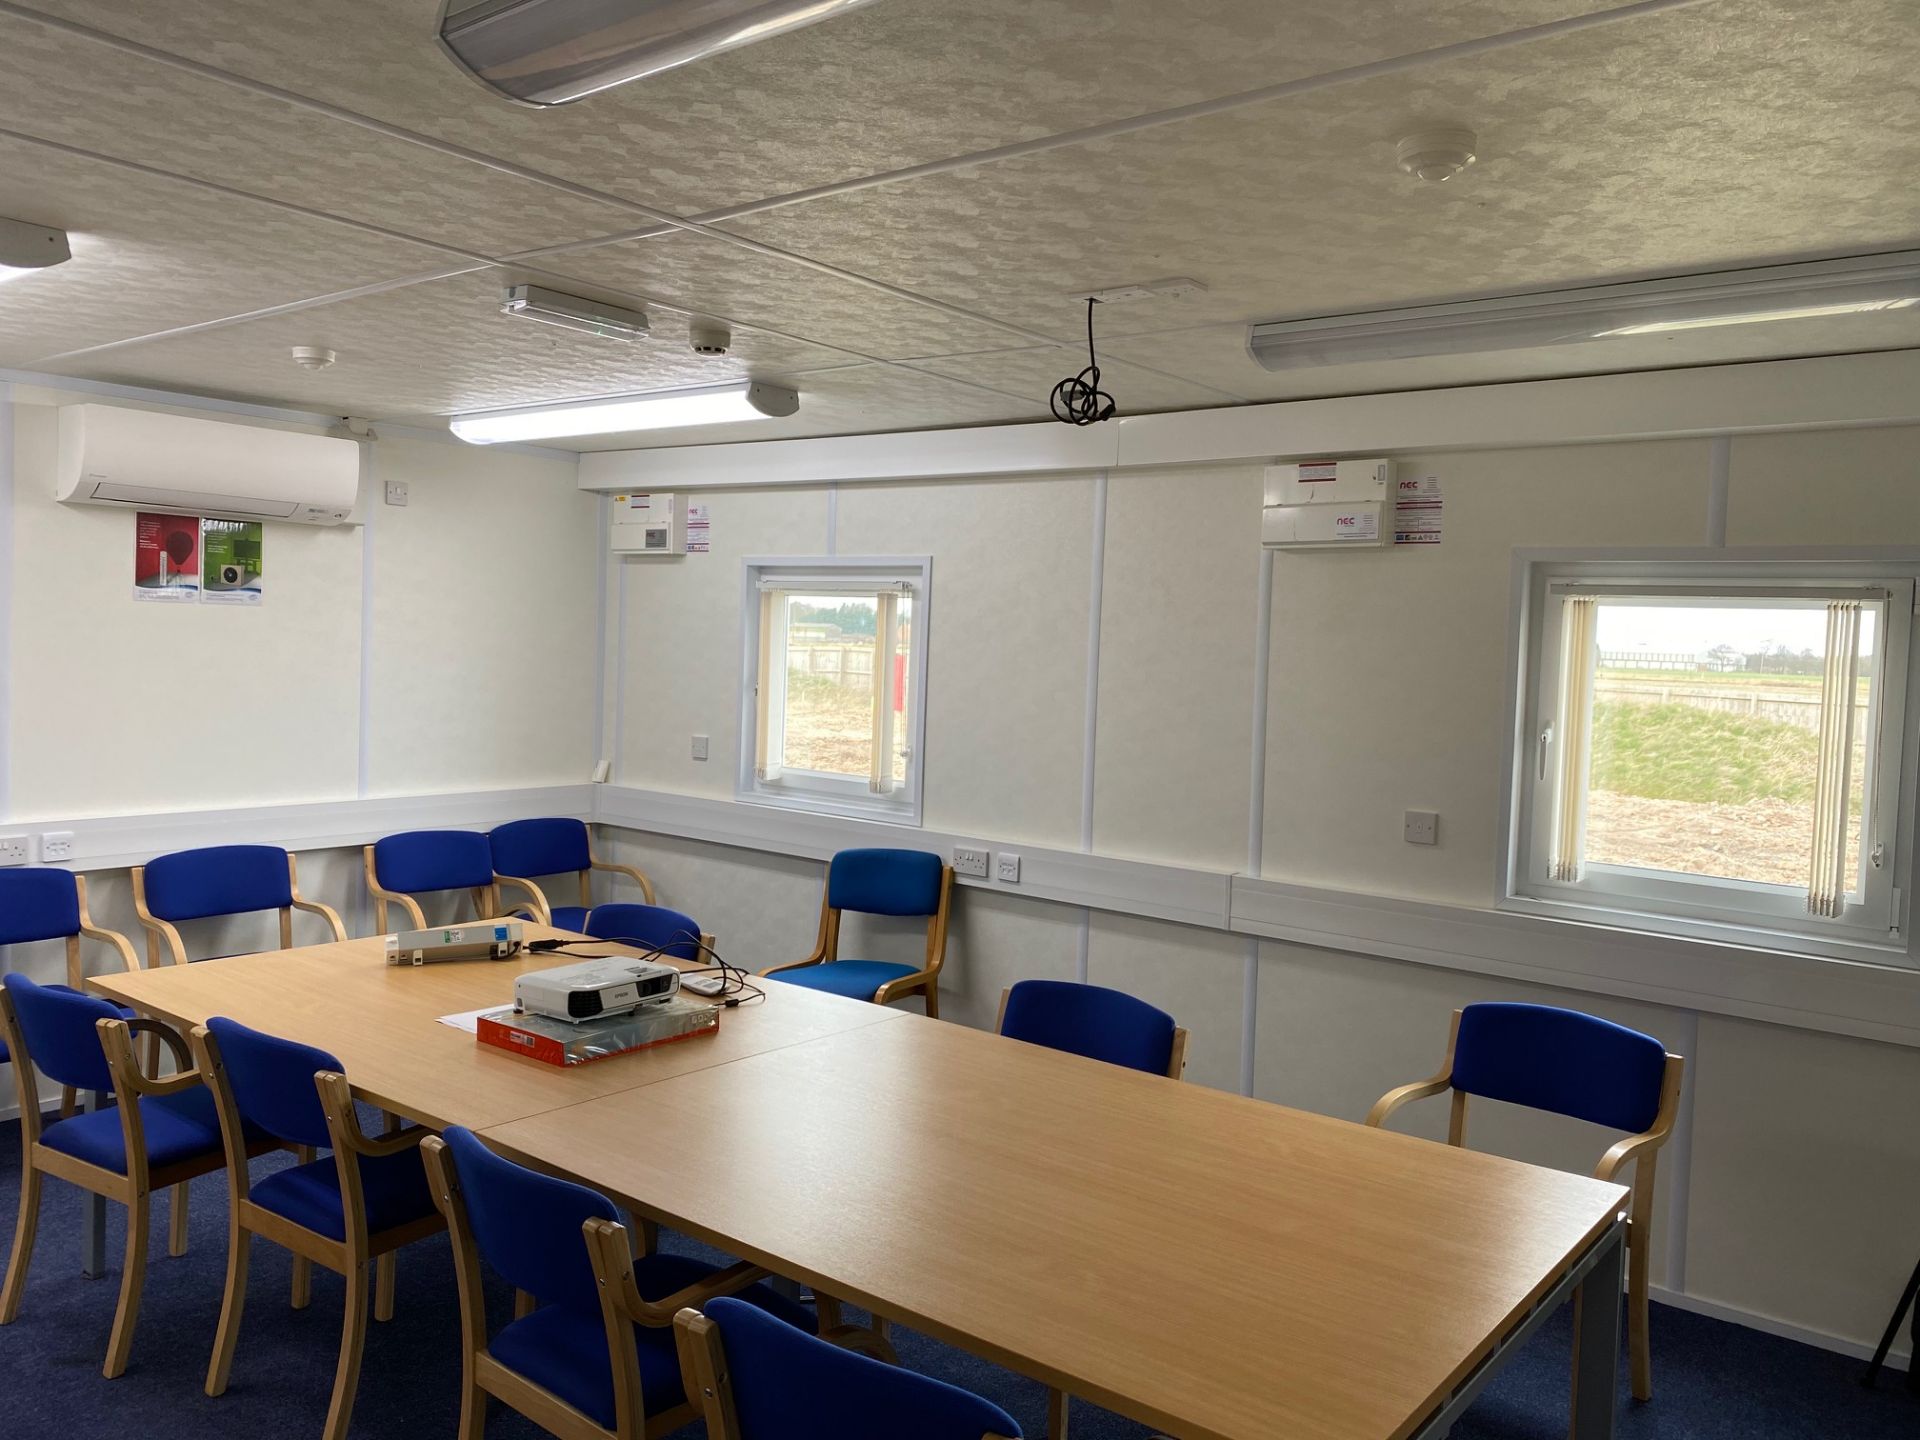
x,y
1897,1359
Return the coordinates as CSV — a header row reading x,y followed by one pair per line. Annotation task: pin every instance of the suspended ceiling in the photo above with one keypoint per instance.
x,y
243,176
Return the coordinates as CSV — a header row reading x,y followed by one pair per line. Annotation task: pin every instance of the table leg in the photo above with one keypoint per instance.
x,y
93,1218
1596,1342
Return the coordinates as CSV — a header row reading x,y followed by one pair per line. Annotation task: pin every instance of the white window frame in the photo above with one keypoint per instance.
x,y
815,791
1873,926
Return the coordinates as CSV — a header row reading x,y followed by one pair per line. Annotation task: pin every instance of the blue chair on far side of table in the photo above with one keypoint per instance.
x,y
761,1379
1583,1067
524,851
214,882
648,927
421,862
878,882
1096,1022
590,1353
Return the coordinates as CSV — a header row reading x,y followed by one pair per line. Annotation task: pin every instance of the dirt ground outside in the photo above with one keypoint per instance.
x,y
1766,840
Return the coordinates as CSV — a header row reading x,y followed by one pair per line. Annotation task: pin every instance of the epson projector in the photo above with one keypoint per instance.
x,y
594,989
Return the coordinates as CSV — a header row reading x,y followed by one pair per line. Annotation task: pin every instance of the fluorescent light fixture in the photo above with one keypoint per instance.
x,y
25,248
572,312
1859,285
548,52
659,410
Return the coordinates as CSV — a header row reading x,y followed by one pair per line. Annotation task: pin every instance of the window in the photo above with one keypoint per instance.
x,y
1717,749
833,685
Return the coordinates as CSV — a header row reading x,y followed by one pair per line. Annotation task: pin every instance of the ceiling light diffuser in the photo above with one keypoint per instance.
x,y
25,248
658,410
572,312
548,52
1858,285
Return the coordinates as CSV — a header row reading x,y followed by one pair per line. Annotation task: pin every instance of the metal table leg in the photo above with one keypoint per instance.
x,y
93,1218
1596,1340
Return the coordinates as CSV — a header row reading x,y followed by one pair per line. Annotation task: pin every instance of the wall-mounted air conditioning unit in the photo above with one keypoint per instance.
x,y
180,465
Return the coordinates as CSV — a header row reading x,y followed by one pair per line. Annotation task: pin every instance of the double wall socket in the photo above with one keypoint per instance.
x,y
971,862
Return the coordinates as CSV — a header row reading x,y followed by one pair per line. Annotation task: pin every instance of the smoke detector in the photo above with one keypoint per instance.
x,y
709,337
313,357
1437,154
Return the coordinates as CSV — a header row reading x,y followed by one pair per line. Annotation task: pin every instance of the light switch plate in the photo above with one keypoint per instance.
x,y
1009,870
699,747
56,845
396,492
970,862
13,849
1423,827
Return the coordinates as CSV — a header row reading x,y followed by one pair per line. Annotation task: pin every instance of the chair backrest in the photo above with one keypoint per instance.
x,y
540,847
884,882
848,1396
219,880
271,1081
1090,1020
58,1031
1561,1061
38,905
526,1225
647,927
424,860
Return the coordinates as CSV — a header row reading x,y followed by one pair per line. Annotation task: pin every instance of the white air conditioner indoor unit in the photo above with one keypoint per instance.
x,y
179,465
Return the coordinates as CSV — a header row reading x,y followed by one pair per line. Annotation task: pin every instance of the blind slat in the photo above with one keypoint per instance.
x,y
1833,769
1574,724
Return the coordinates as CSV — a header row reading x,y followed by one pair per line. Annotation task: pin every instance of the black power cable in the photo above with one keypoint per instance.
x,y
1079,400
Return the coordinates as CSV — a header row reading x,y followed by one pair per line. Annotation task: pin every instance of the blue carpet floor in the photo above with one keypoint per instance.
x,y
1714,1381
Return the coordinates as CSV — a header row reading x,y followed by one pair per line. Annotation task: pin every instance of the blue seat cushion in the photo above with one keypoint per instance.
x,y
570,917
394,1186
178,1128
563,1348
855,979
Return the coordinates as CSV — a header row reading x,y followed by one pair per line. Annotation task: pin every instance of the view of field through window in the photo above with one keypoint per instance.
x,y
830,684
1706,724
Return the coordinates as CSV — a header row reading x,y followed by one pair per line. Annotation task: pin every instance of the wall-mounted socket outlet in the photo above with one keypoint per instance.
x,y
1009,870
396,492
699,747
56,845
970,862
13,849
1423,827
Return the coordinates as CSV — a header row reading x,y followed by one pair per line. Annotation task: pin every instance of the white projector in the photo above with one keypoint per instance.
x,y
594,989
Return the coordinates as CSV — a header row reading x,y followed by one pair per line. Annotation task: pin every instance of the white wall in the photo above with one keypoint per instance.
x,y
1387,691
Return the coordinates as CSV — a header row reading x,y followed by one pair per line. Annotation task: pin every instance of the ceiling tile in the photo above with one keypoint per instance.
x,y
151,254
1033,373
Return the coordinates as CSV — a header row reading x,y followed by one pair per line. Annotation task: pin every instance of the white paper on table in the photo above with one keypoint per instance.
x,y
469,1020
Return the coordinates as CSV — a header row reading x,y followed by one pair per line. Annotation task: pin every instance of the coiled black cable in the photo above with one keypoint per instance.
x,y
1079,400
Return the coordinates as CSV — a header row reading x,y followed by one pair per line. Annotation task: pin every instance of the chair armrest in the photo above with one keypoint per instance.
x,y
326,912
608,1243
893,989
1419,1090
819,955
1628,1151
116,1039
336,1098
536,897
404,901
646,885
128,956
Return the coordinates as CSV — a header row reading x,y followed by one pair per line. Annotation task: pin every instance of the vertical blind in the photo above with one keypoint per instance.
x,y
1574,723
885,632
1833,773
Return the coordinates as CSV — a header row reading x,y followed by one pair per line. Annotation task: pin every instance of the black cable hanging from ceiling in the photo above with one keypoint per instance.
x,y
1079,400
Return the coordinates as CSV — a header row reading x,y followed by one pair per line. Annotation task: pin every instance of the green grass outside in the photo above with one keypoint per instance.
x,y
1677,752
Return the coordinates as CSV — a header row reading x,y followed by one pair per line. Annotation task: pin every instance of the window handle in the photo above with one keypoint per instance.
x,y
1879,854
1546,739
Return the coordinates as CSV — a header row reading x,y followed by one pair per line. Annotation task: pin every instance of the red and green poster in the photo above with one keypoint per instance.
x,y
166,557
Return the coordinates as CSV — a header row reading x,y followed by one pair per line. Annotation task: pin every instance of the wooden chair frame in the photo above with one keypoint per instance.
x,y
486,899
135,1189
621,1308
924,982
1641,1151
542,908
77,979
348,1258
1176,1057
703,1367
159,930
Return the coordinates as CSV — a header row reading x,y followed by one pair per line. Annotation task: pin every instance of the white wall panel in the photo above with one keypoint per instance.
x,y
1195,975
1006,679
1389,666
1176,665
1857,488
997,940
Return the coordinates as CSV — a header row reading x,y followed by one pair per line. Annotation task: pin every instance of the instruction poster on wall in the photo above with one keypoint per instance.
x,y
230,560
166,558
1416,511
699,530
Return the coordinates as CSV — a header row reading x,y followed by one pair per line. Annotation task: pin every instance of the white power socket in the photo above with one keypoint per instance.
x,y
1009,871
56,845
13,849
971,862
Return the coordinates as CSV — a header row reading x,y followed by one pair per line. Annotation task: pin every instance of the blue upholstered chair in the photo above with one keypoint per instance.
x,y
1575,1065
878,882
1098,1023
590,1352
217,881
358,1205
761,1379
160,1135
50,904
527,850
420,862
646,927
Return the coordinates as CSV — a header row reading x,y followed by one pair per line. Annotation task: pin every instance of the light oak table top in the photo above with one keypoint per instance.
x,y
382,1022
1213,1266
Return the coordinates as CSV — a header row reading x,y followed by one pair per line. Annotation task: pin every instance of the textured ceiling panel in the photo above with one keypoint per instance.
x,y
434,349
694,273
150,254
1034,373
86,95
898,83
1740,130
